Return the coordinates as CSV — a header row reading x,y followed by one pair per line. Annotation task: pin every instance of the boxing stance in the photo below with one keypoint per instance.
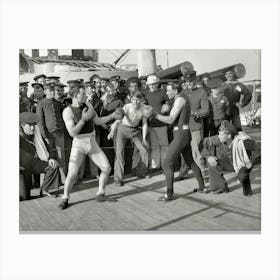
x,y
79,119
128,129
179,116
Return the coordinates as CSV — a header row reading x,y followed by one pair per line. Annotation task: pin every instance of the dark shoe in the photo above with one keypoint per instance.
x,y
143,175
141,170
249,193
226,190
167,198
118,184
218,191
100,197
180,178
155,170
63,204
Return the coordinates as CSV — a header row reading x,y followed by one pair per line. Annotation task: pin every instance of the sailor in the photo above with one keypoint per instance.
x,y
238,96
52,126
205,78
120,92
38,92
180,117
219,108
25,103
36,157
60,93
41,79
199,109
230,151
53,79
144,86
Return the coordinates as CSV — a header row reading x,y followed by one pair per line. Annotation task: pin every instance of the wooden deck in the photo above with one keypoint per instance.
x,y
134,208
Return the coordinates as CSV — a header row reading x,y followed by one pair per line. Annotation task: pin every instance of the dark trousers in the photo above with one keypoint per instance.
x,y
217,180
128,133
214,126
206,126
107,146
235,118
180,145
57,144
51,179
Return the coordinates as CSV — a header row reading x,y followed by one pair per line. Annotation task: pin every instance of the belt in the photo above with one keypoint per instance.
x,y
182,127
85,135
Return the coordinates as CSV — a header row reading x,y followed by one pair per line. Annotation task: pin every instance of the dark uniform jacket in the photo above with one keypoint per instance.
x,y
219,107
50,113
199,105
233,92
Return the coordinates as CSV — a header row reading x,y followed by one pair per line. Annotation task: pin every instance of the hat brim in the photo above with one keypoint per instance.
x,y
190,73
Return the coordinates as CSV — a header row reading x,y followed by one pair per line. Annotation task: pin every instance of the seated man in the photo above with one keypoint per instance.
x,y
230,151
34,156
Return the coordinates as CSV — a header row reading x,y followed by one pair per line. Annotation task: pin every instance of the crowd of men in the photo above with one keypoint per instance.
x,y
105,124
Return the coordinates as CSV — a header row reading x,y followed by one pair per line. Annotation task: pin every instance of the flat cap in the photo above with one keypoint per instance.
x,y
143,78
95,76
72,82
205,75
115,78
89,84
104,79
60,85
29,117
187,69
53,78
37,85
80,81
190,74
229,128
49,85
39,76
22,84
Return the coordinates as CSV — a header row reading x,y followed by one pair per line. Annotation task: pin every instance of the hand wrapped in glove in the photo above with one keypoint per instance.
x,y
165,109
118,114
88,112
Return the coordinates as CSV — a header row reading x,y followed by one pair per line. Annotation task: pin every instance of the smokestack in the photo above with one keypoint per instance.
x,y
146,62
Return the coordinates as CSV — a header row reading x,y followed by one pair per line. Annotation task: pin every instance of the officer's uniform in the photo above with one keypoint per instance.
x,y
52,127
200,107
